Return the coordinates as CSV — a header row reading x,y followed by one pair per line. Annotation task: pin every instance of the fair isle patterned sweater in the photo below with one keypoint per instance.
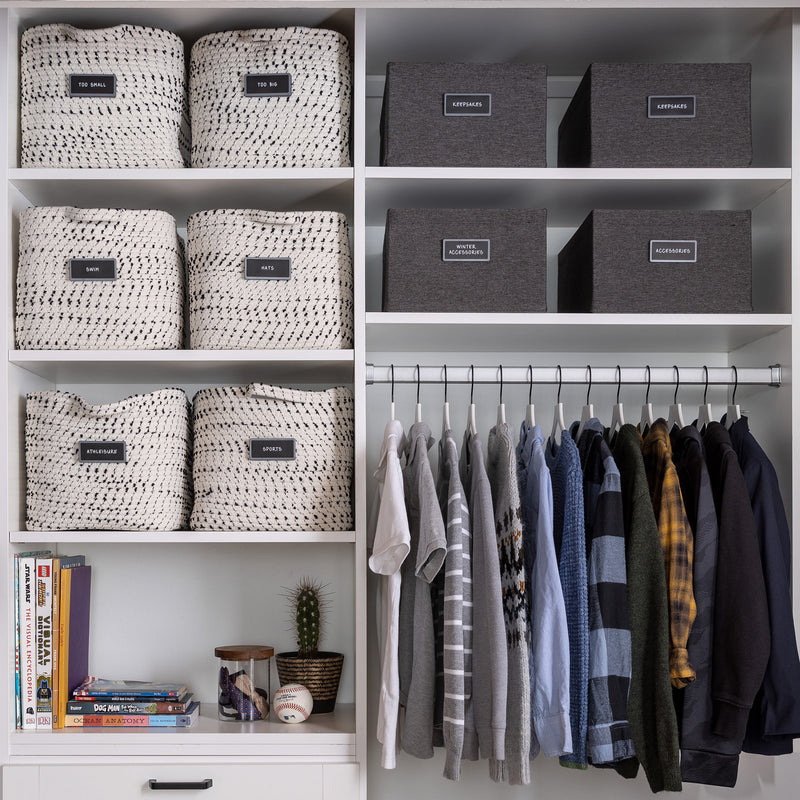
x,y
502,469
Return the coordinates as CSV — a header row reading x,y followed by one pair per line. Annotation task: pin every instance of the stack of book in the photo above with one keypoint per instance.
x,y
51,614
131,704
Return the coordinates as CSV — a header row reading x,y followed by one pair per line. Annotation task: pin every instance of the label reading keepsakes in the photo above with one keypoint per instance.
x,y
669,250
468,105
274,269
93,269
268,85
465,249
671,107
272,450
92,85
113,452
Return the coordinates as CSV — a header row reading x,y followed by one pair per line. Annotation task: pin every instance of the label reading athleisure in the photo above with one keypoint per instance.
x,y
668,250
465,249
92,85
107,452
272,450
268,85
275,269
93,269
468,105
671,107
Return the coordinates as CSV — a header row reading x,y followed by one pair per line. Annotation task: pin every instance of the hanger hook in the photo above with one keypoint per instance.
x,y
501,384
530,382
471,382
735,383
558,397
677,383
619,381
445,382
589,390
705,391
391,366
647,394
417,384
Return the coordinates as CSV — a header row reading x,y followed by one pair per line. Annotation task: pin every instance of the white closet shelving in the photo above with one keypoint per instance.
x,y
162,600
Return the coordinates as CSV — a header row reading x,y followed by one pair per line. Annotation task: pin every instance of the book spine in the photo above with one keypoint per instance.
x,y
44,642
17,681
64,591
99,707
127,720
27,621
54,639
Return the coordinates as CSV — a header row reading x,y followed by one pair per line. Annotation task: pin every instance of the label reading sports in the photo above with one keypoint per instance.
x,y
465,249
103,452
92,85
272,450
468,105
268,85
673,251
93,269
270,269
671,107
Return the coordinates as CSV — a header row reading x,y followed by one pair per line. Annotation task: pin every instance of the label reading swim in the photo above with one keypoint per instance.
x,y
268,85
673,251
671,107
272,450
106,452
274,269
92,85
465,249
468,105
93,269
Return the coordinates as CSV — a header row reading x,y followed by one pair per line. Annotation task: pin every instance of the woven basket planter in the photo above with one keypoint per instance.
x,y
66,299
273,459
137,119
319,673
303,122
119,466
269,280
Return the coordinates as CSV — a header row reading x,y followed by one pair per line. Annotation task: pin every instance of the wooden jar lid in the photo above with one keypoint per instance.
x,y
244,652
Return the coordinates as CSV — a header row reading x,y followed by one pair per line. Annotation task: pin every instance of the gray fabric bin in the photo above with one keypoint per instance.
x,y
658,115
464,260
464,115
641,262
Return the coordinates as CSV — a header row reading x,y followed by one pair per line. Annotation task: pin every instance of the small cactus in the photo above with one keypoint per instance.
x,y
307,600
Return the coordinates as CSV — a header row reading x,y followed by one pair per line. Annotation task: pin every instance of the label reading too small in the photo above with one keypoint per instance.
x,y
92,85
272,449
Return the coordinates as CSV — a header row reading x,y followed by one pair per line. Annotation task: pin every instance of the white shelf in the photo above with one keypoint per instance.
x,y
569,333
181,537
327,736
112,366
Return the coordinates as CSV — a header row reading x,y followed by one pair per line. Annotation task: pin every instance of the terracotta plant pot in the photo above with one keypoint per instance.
x,y
319,673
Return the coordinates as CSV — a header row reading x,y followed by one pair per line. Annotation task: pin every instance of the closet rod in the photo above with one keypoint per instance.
x,y
665,376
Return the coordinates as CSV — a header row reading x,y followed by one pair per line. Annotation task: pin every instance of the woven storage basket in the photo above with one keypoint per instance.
x,y
143,124
141,309
308,127
319,673
151,490
311,309
310,492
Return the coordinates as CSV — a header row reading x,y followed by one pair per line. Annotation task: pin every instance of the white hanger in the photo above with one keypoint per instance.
x,y
391,406
501,407
587,412
647,408
471,426
617,416
530,417
558,414
734,413
675,411
418,410
445,407
704,415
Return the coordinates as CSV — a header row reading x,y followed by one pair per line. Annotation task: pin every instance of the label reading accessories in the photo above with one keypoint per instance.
x,y
275,269
673,250
102,452
272,449
93,269
465,249
279,85
468,105
92,85
671,106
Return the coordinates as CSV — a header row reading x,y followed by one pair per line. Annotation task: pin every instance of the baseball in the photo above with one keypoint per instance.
x,y
292,703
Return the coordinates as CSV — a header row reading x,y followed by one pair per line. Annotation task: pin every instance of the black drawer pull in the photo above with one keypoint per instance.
x,y
206,784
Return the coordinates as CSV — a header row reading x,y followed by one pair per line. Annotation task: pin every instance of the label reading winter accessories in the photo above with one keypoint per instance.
x,y
275,269
93,269
109,452
671,107
272,450
465,249
92,85
468,105
673,250
267,85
